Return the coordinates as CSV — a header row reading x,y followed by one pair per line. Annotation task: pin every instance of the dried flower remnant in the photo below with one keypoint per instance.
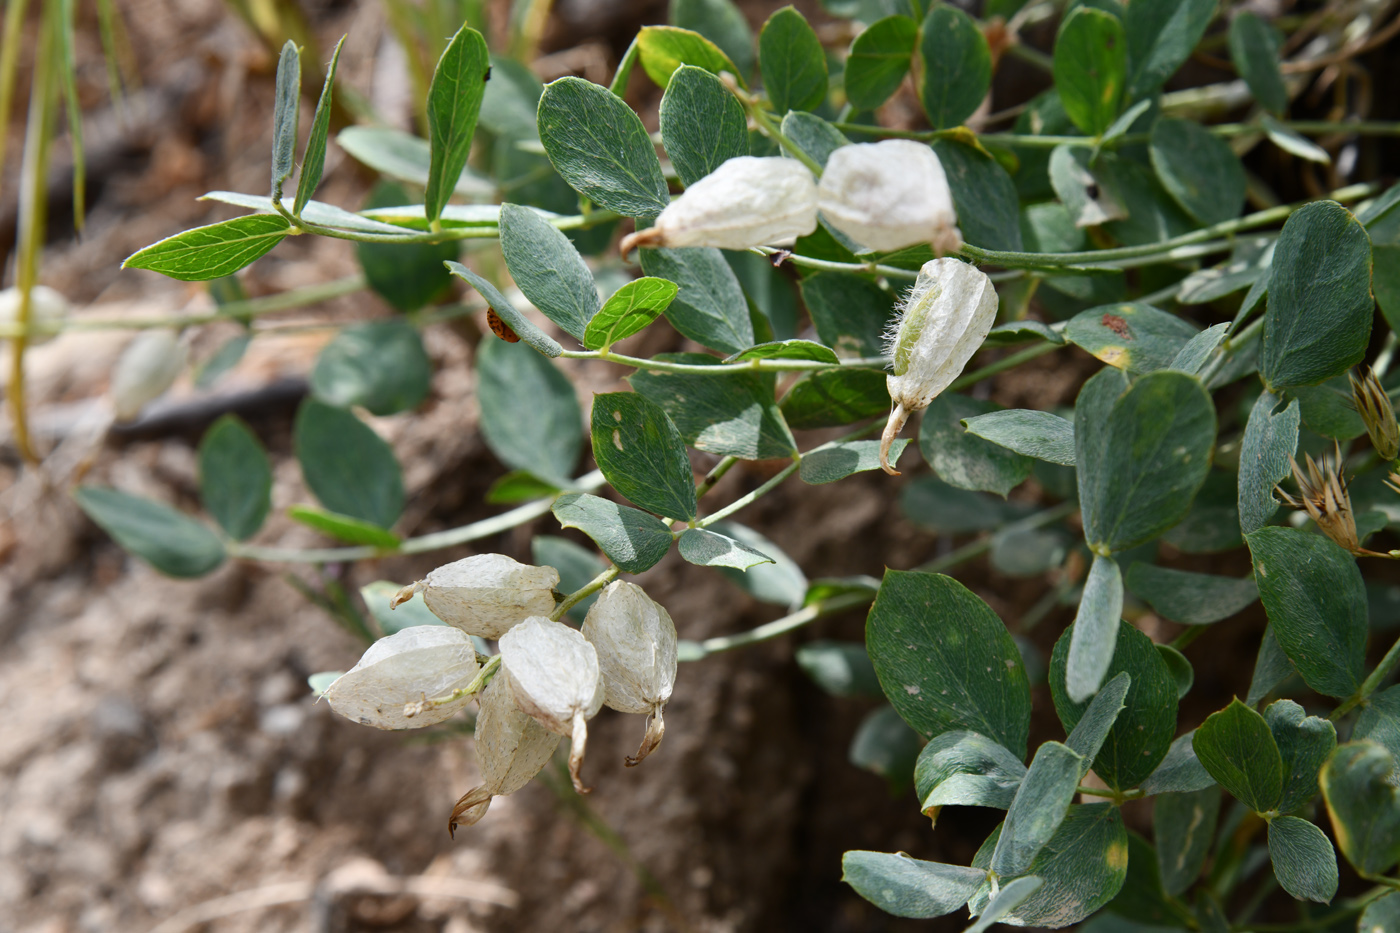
x,y
636,643
1376,410
147,367
485,595
47,308
942,321
511,749
889,195
748,201
555,678
407,680
1322,493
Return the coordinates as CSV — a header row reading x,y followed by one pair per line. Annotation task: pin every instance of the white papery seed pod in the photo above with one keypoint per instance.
x,y
889,195
147,367
555,678
636,643
486,594
942,321
511,748
747,201
399,677
46,307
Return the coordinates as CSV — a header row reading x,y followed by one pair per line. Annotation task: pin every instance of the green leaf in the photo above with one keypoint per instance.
x,y
786,350
850,312
1190,598
933,504
1360,787
170,541
834,398
1304,862
1198,169
909,887
348,466
729,415
530,416
286,109
1089,733
407,275
1236,747
1092,410
630,309
1328,409
1379,721
547,269
1143,898
1270,439
235,477
1142,734
710,307
769,290
313,163
1160,37
1091,66
379,594
884,745
1381,916
1093,633
813,135
1385,279
577,565
1304,743
632,539
1294,143
1194,358
523,327
642,454
712,550
1320,306
1271,668
781,583
722,23
1037,434
1182,671
960,457
841,668
454,103
1180,771
1152,214
879,59
1316,602
1131,336
405,157
984,195
967,770
837,461
952,66
1038,808
1254,49
1183,826
1028,552
702,124
1006,900
229,354
214,251
1213,524
379,365
964,671
598,144
664,49
344,527
792,61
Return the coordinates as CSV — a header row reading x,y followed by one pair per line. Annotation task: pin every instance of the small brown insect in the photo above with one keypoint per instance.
x,y
1119,326
501,329
487,76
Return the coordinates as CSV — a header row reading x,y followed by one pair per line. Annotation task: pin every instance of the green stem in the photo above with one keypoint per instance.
x,y
771,130
714,476
751,497
1031,141
1010,361
1185,638
695,651
583,592
745,366
1369,686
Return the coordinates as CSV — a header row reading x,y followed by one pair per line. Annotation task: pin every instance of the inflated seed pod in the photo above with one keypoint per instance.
x,y
942,321
747,201
554,677
486,594
889,195
147,367
511,748
396,682
636,643
46,307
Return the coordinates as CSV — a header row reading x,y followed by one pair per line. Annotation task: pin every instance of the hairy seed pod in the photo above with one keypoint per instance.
x,y
636,643
943,320
889,195
400,677
1377,412
46,307
511,749
748,201
486,594
555,678
147,367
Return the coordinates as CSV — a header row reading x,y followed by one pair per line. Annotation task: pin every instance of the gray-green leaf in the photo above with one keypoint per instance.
x,y
380,365
792,61
642,454
962,458
348,466
1304,861
530,415
1237,748
286,109
968,770
880,58
1183,825
170,541
909,887
1037,434
523,327
313,163
235,477
632,539
1198,169
727,414
1095,629
710,307
1190,598
548,269
454,102
702,124
1270,439
1304,743
952,66
1254,50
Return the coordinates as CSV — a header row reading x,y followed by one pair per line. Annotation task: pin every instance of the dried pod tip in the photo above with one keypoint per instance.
x,y
892,429
656,731
1322,493
469,809
578,746
651,236
405,594
1376,410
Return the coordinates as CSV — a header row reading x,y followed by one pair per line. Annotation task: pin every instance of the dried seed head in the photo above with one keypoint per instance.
x,y
511,749
147,367
943,320
1322,493
636,643
747,201
486,594
1377,412
405,681
46,307
555,678
889,195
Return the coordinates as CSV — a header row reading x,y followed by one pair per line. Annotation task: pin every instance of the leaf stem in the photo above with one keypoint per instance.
x,y
1369,686
695,651
746,366
1033,141
982,545
751,497
583,592
714,476
770,129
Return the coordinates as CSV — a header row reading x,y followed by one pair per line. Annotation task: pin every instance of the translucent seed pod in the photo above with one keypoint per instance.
x,y
47,307
487,594
942,321
147,367
511,749
404,681
889,195
748,201
555,678
636,643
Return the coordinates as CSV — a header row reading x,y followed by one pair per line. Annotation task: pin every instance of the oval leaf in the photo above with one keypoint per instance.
x,y
235,477
170,541
348,466
642,454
